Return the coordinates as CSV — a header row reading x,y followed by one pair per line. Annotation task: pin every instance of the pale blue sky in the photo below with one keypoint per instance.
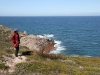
x,y
49,7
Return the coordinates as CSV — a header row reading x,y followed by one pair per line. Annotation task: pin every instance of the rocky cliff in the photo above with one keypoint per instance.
x,y
33,42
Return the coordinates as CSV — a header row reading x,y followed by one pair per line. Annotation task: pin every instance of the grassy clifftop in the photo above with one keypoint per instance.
x,y
5,44
45,64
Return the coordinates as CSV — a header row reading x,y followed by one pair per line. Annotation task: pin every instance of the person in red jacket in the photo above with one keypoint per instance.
x,y
15,41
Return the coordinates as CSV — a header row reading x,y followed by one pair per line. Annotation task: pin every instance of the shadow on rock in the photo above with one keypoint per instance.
x,y
27,53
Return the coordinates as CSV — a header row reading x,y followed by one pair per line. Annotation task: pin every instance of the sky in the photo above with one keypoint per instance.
x,y
49,7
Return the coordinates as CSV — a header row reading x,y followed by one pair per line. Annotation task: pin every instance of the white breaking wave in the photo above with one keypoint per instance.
x,y
58,46
48,36
87,56
80,55
74,55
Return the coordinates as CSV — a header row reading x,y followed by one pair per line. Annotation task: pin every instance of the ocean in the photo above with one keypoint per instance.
x,y
73,35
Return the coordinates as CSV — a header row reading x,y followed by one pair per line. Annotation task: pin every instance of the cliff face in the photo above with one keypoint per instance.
x,y
34,42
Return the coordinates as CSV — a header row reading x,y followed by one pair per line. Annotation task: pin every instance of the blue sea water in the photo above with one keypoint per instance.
x,y
74,35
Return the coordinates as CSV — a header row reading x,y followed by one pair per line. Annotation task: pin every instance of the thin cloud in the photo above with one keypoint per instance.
x,y
84,13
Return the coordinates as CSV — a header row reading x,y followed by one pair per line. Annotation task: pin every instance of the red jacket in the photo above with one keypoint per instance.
x,y
15,39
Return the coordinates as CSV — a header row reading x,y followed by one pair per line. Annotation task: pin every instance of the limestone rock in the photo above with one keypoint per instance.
x,y
34,42
31,41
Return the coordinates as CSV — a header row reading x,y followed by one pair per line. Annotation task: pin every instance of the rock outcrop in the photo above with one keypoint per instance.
x,y
34,42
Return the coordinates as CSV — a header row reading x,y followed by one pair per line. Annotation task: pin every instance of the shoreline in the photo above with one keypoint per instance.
x,y
31,41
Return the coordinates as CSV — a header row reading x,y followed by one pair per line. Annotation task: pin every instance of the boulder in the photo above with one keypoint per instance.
x,y
34,42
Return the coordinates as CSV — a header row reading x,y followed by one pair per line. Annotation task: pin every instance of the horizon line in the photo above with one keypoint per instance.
x,y
54,16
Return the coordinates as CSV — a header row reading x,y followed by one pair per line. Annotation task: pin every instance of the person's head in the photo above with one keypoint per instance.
x,y
16,30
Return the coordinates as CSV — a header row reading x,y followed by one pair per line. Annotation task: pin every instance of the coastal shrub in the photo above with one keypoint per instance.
x,y
52,56
42,68
86,61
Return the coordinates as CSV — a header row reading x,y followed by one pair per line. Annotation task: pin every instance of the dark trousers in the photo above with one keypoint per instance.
x,y
16,51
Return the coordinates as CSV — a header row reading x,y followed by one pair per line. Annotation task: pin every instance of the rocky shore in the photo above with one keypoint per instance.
x,y
37,43
33,42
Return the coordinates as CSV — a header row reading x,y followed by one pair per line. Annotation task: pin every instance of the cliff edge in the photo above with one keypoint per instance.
x,y
33,42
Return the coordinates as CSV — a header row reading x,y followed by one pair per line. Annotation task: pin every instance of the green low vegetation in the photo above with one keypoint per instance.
x,y
52,64
46,64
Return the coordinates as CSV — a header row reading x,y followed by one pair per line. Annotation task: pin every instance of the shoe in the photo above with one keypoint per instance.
x,y
16,55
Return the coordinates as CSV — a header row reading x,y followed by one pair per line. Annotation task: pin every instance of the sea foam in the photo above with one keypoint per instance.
x,y
58,47
58,44
48,36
